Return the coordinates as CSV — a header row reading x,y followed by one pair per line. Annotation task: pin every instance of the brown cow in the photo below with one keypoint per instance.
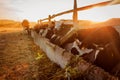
x,y
25,24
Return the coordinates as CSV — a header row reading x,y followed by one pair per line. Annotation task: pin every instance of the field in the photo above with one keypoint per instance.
x,y
20,58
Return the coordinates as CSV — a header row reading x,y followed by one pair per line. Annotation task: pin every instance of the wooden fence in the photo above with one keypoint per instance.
x,y
77,9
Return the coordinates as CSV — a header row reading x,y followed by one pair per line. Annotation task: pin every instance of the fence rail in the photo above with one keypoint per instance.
x,y
79,9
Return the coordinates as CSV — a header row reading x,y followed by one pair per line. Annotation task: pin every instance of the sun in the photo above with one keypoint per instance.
x,y
100,14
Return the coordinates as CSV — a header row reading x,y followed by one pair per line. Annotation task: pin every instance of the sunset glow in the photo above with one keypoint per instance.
x,y
39,9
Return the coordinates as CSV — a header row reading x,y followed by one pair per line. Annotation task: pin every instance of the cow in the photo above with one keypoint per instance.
x,y
59,30
74,48
26,25
99,45
107,54
110,56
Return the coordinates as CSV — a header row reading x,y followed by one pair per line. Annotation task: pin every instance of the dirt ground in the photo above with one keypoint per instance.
x,y
21,59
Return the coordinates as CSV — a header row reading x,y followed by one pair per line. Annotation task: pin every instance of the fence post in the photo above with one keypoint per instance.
x,y
39,21
75,14
49,18
49,21
75,24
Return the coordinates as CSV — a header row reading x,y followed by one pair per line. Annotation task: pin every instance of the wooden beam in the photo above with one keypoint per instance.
x,y
80,9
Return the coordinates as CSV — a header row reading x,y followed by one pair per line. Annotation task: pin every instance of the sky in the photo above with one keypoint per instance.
x,y
34,10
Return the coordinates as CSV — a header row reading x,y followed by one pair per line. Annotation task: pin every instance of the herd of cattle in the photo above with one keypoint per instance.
x,y
99,45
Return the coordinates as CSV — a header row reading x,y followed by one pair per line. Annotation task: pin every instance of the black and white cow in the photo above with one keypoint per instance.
x,y
106,54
